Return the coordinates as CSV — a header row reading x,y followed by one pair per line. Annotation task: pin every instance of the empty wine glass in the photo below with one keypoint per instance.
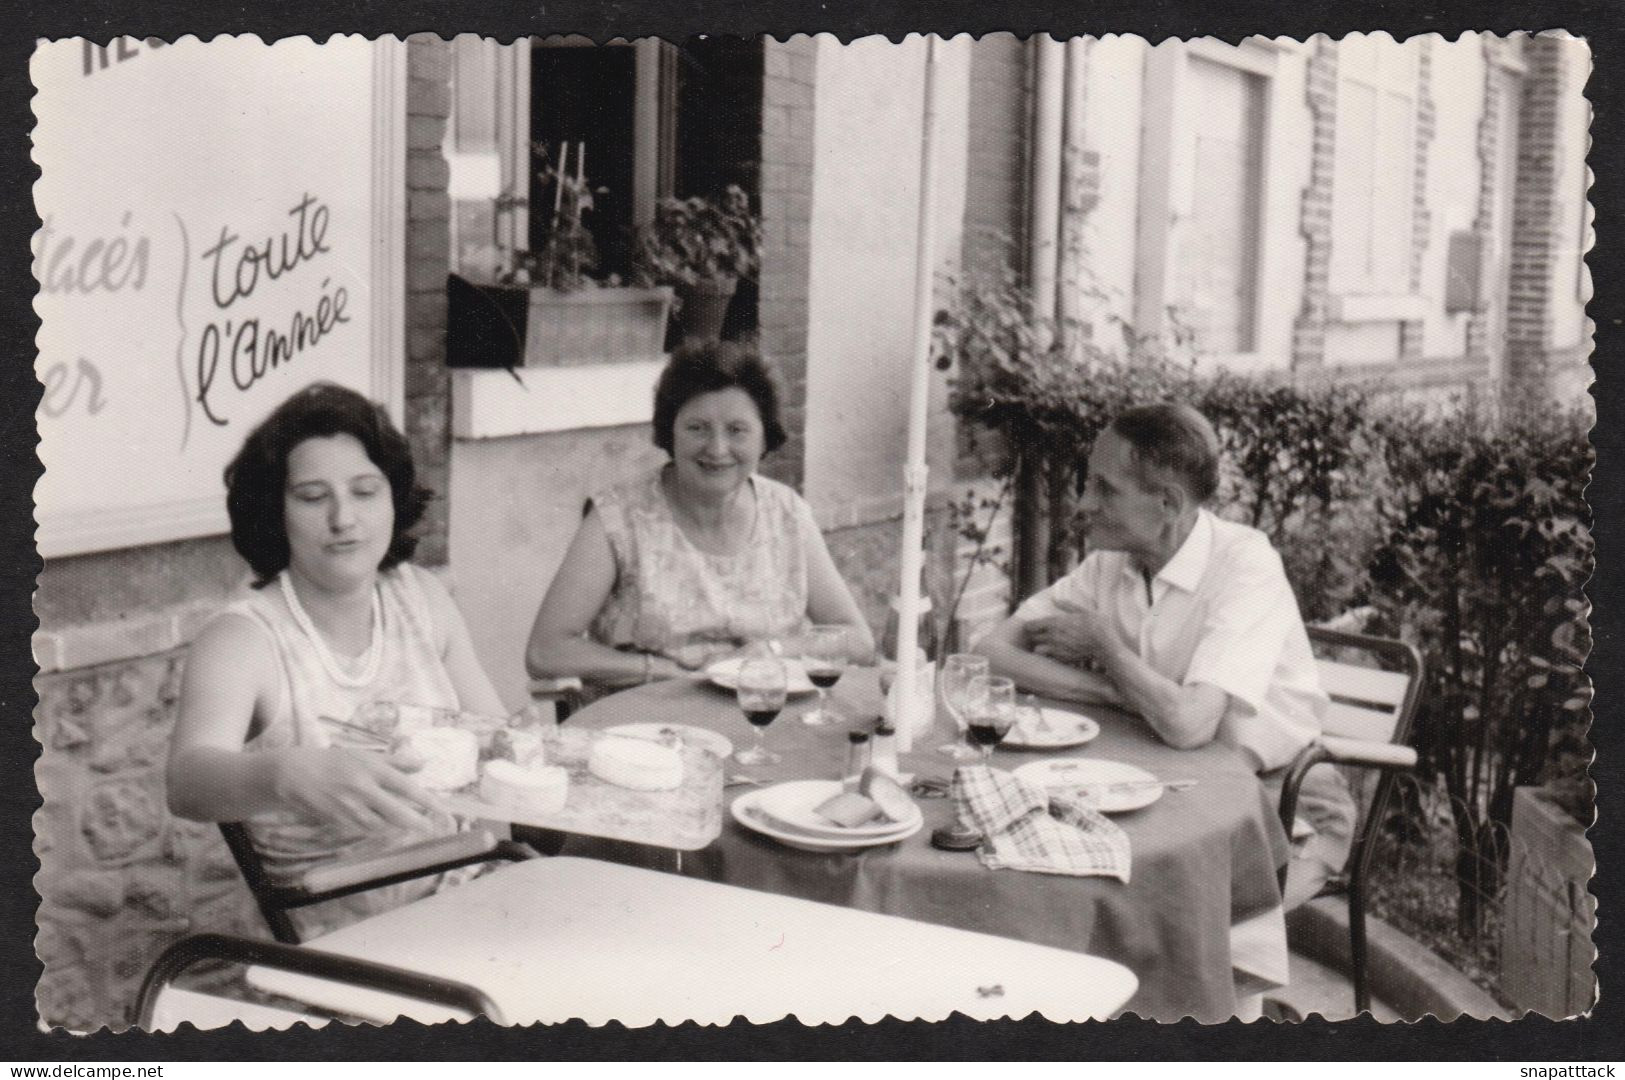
x,y
824,655
760,691
990,712
957,672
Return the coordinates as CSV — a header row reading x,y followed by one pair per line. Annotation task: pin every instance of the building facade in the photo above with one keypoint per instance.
x,y
1409,212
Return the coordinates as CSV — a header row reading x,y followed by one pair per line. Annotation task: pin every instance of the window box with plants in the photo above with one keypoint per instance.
x,y
702,248
546,307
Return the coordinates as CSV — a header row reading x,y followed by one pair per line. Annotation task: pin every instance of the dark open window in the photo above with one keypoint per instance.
x,y
655,120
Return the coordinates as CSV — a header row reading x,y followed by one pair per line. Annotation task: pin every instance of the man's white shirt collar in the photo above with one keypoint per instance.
x,y
1184,571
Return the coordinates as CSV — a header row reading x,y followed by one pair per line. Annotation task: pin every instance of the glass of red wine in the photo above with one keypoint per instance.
x,y
955,684
760,691
990,712
824,656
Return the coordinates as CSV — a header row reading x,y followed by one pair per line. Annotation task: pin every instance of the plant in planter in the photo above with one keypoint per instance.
x,y
546,307
568,256
701,248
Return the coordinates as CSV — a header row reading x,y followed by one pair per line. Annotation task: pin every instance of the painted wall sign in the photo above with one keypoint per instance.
x,y
221,224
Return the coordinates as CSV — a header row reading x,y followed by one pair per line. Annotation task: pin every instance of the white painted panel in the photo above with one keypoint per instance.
x,y
165,338
489,404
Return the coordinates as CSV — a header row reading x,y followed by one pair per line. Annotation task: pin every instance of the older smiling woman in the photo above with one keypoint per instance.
x,y
700,556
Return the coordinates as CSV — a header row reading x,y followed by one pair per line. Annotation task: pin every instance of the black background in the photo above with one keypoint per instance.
x,y
1534,1040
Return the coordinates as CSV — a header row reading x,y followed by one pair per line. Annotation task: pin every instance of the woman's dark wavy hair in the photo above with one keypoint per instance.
x,y
706,368
257,478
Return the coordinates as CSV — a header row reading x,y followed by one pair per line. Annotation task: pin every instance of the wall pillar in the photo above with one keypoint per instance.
x,y
787,159
428,261
1537,225
1309,330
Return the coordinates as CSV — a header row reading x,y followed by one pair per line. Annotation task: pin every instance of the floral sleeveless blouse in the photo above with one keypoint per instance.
x,y
671,598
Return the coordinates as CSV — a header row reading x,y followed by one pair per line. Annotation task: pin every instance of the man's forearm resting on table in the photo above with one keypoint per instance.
x,y
1184,717
1043,675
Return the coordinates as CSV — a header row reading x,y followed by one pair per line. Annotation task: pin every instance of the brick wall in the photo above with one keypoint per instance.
x,y
1309,330
787,158
995,233
428,261
1537,225
996,166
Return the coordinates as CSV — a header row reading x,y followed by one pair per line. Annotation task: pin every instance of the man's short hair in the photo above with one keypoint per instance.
x,y
1175,438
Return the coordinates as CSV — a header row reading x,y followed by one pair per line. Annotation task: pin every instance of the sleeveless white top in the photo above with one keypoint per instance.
x,y
410,672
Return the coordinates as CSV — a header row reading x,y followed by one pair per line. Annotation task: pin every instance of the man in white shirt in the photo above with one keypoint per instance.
x,y
1184,619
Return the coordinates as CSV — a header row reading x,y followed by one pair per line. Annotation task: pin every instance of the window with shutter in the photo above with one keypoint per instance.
x,y
1373,189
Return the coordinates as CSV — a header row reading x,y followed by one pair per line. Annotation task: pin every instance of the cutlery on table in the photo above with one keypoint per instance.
x,y
1134,785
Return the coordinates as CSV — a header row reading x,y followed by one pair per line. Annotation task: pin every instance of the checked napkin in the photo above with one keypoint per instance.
x,y
1027,828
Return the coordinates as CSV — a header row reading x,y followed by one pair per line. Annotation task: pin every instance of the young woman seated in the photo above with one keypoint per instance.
x,y
279,723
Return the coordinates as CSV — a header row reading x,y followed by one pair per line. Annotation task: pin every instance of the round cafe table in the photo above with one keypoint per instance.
x,y
1204,858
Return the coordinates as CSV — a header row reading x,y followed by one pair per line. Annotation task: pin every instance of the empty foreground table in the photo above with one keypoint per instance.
x,y
556,939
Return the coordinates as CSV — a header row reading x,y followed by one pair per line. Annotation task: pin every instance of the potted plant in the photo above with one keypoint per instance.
x,y
545,306
701,248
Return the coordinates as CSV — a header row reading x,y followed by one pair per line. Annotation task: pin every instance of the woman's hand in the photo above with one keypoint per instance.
x,y
364,790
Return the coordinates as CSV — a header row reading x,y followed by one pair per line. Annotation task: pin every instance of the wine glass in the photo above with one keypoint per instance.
x,y
824,655
760,690
990,712
957,672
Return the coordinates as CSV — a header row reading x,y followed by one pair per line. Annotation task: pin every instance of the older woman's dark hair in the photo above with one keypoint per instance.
x,y
1177,439
257,478
706,368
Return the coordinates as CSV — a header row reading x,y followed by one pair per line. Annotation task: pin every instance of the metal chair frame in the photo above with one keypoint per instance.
x,y
306,961
1407,659
275,899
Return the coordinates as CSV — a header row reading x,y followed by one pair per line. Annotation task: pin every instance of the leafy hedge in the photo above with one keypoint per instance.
x,y
1468,536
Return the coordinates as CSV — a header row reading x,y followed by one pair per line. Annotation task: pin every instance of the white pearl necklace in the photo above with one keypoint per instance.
x,y
371,661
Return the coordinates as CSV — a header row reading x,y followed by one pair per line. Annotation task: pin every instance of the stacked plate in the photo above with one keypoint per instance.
x,y
785,812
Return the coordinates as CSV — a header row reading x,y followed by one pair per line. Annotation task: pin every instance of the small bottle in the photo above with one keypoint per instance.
x,y
884,756
857,758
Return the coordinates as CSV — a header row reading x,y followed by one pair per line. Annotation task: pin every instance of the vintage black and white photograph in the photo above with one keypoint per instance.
x,y
665,530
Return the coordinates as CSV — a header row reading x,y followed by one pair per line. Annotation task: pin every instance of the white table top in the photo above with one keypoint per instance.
x,y
555,939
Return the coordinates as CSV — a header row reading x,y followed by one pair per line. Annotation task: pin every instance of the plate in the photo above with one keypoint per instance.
x,y
686,734
747,811
725,673
1050,729
791,806
1058,774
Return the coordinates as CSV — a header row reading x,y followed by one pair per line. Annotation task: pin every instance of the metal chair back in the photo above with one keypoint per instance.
x,y
430,857
1376,704
161,1006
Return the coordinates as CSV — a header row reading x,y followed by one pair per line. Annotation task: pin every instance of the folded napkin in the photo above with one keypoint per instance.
x,y
1027,828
